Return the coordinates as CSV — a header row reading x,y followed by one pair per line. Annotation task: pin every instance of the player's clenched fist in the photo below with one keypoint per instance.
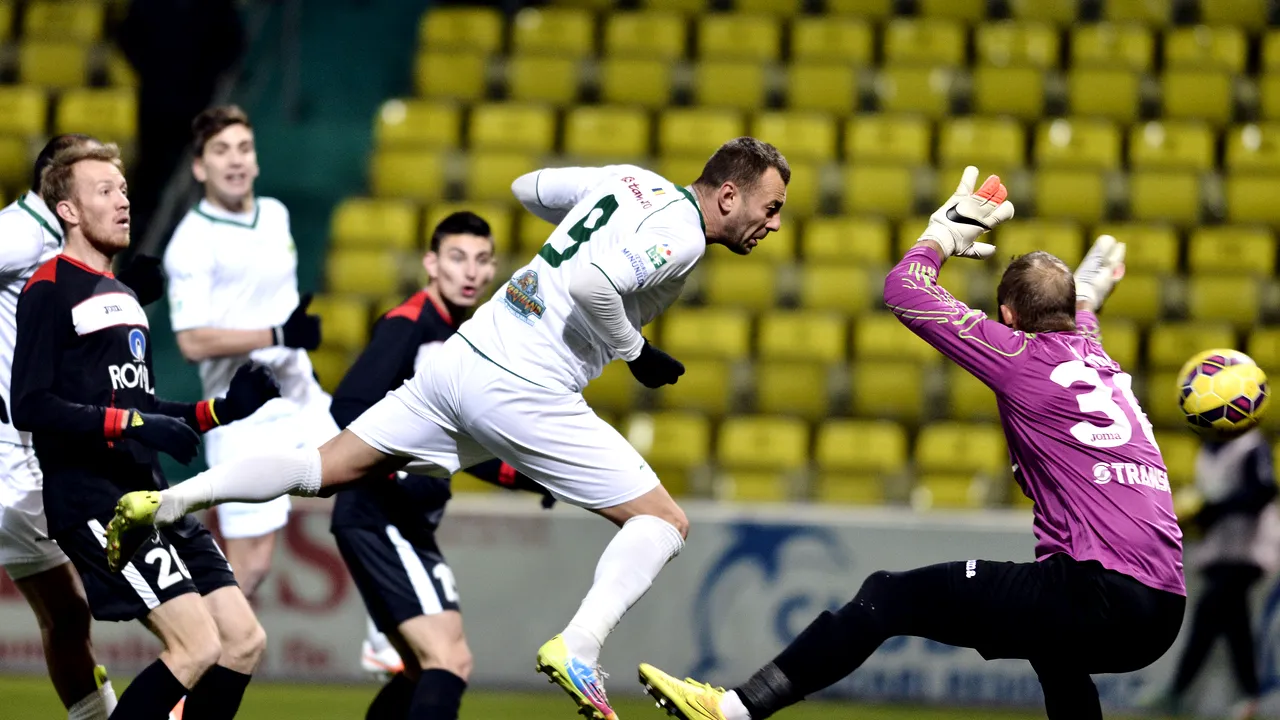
x,y
161,432
252,387
654,368
967,215
300,330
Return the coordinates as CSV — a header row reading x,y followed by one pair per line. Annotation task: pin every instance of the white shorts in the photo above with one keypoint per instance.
x,y
274,431
25,546
461,409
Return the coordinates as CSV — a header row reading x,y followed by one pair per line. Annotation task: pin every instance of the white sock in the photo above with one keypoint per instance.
x,y
108,694
625,571
89,707
254,480
732,708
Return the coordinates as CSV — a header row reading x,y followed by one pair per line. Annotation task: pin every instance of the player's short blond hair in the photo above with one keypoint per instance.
x,y
57,182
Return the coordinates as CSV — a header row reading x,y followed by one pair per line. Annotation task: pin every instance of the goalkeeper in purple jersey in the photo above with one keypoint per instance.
x,y
1106,592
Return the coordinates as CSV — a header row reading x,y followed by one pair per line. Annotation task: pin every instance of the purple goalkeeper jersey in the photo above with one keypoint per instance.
x,y
1080,445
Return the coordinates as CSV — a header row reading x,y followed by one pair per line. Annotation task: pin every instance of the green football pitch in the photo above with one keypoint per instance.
x,y
29,698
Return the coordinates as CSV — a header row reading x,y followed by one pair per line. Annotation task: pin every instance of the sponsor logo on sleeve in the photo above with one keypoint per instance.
x,y
638,266
658,255
634,186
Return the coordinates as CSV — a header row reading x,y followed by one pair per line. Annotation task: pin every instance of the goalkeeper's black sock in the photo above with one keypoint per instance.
x,y
438,695
217,696
151,695
393,700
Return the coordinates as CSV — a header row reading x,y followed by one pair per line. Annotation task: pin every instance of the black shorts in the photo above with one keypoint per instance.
x,y
178,559
399,579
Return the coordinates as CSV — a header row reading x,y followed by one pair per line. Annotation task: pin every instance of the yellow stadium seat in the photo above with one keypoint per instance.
x,y
363,272
848,240
1159,398
804,192
55,64
1179,450
1137,296
635,81
949,491
330,364
687,7
747,486
15,162
553,31
6,19
861,8
1104,45
1143,12
614,391
921,90
747,285
861,446
542,79
961,448
967,10
1271,53
801,135
370,223
1269,96
802,335
881,337
883,390
1225,298
733,36
985,142
763,442
1057,12
107,114
903,139
1061,238
497,214
1249,13
697,132
23,110
924,41
1205,47
518,127
849,489
1172,145
1004,44
1252,199
1076,194
1264,347
1103,92
684,169
418,124
717,333
606,133
645,34
832,39
675,444
1170,344
476,29
490,174
345,320
1164,195
1254,148
879,189
119,72
1120,340
730,84
1016,91
706,386
1149,247
1077,144
778,248
968,398
1201,94
770,7
453,75
792,388
842,288
415,174
1232,249
464,483
79,22
829,87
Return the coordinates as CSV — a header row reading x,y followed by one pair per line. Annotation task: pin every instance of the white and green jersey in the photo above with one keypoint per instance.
x,y
642,231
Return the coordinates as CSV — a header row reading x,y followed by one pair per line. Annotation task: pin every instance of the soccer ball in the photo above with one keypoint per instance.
x,y
1223,393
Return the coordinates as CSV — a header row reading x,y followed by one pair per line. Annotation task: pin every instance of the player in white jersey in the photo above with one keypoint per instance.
x,y
233,293
509,383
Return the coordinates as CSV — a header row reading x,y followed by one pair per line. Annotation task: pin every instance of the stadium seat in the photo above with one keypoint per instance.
x,y
1269,96
883,390
802,335
1104,45
1172,145
1254,148
828,39
1074,194
15,163
707,386
345,320
777,249
1006,44
518,127
542,79
733,36
635,81
107,114
1061,238
1016,91
606,133
1120,340
746,285
924,41
79,22
748,486
804,195
686,7
363,272
23,110
415,174
993,144
878,9
804,135
841,288
1063,12
532,233
1077,144
553,31
967,10
968,398
717,333
659,35
418,124
849,489
1225,298
1164,195
897,139
55,64
330,364
370,223
684,169
120,73
1199,94
961,448
497,214
1252,199
1149,247
6,19
848,240
1103,92
881,337
792,388
614,391
1264,347
763,442
490,174
1179,449
861,447
1232,249
879,189
729,84
1206,48
949,491
780,8
675,444
1143,12
697,132
921,90
1137,296
829,87
451,75
1170,344
1248,13
475,29
1159,398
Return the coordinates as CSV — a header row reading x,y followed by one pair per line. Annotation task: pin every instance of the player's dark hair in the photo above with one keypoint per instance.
x,y
1041,290
460,223
57,144
213,121
743,161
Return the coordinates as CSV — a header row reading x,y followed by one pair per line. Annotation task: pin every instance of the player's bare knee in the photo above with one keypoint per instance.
x,y
243,651
454,657
193,656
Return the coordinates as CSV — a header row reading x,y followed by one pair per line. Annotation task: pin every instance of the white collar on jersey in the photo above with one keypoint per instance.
x,y
34,205
212,212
